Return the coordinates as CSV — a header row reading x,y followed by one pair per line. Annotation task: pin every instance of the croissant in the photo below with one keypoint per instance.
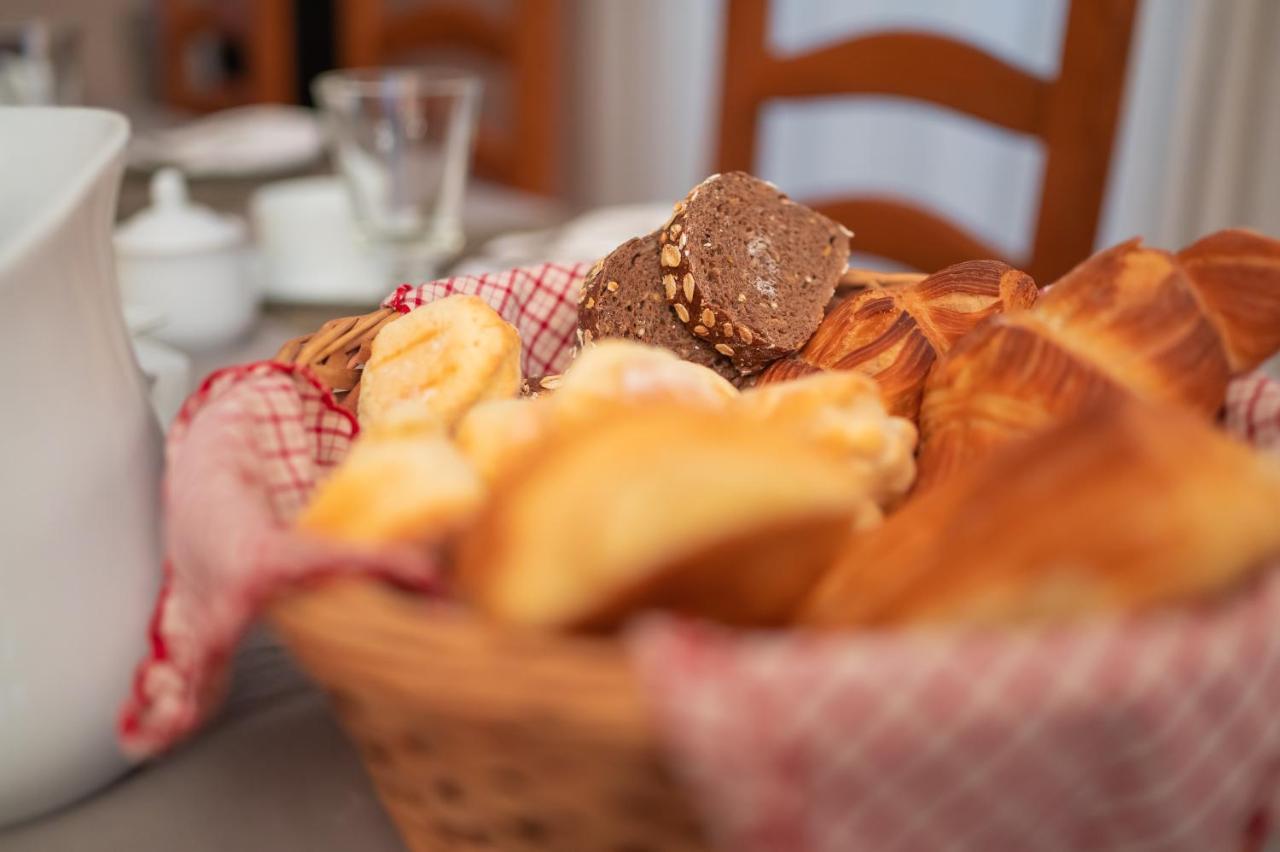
x,y
895,330
1118,507
1130,319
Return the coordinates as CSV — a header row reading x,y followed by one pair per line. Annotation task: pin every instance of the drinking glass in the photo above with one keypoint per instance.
x,y
401,140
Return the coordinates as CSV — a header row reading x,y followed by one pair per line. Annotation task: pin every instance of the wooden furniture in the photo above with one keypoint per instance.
x,y
1073,115
528,43
263,32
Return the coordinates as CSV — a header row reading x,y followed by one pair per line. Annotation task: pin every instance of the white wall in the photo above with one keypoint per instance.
x,y
645,92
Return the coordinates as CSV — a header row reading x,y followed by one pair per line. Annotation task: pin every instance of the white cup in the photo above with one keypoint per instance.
x,y
310,246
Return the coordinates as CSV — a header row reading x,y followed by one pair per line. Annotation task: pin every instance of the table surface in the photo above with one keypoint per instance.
x,y
273,771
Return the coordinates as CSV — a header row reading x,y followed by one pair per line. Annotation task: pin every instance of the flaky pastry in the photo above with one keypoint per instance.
x,y
1123,506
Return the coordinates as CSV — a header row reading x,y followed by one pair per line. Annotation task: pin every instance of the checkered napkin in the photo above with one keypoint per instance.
x,y
1151,733
243,454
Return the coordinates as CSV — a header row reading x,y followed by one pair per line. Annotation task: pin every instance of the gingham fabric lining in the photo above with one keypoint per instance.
x,y
542,303
242,455
1156,733
1153,733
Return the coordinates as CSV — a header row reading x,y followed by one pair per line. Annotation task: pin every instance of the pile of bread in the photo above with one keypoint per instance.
x,y
737,436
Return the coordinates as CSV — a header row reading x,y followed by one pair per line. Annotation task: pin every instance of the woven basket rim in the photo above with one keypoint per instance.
x,y
366,628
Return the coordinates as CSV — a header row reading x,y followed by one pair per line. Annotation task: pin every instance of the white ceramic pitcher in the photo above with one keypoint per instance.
x,y
80,456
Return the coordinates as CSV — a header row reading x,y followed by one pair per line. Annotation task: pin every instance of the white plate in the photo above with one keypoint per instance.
x,y
250,141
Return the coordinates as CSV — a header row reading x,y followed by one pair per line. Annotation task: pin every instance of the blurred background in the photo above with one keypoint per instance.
x,y
936,130
634,105
633,102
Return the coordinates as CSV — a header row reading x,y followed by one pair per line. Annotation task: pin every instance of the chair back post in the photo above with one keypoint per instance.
x,y
267,42
271,52
1079,133
745,58
536,59
360,26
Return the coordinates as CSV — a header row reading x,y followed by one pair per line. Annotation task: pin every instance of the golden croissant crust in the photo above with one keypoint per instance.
x,y
895,332
1132,312
1236,274
1129,320
1120,506
1007,378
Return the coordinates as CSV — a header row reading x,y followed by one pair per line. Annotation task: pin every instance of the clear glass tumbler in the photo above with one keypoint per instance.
x,y
401,140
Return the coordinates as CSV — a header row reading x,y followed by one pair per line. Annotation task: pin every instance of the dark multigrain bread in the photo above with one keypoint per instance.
x,y
623,297
749,270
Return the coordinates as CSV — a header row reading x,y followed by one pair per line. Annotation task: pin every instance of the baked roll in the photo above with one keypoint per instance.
x,y
427,368
624,295
612,372
841,413
748,270
1168,328
1235,273
895,332
665,506
1121,506
395,488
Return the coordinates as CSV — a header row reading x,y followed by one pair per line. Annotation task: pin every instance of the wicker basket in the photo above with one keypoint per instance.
x,y
475,737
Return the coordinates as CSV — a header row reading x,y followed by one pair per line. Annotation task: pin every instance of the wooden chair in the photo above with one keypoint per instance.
x,y
529,43
261,29
1074,116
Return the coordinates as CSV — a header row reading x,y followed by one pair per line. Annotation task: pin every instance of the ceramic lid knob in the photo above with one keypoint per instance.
x,y
173,224
168,188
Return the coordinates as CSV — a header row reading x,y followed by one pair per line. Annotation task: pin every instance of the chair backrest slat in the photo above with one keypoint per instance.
x,y
919,66
1074,115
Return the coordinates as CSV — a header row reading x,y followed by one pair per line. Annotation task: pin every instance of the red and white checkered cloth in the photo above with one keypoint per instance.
x,y
1158,732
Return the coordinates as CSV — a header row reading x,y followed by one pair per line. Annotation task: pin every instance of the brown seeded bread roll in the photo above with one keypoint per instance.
x,y
623,297
748,269
536,386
